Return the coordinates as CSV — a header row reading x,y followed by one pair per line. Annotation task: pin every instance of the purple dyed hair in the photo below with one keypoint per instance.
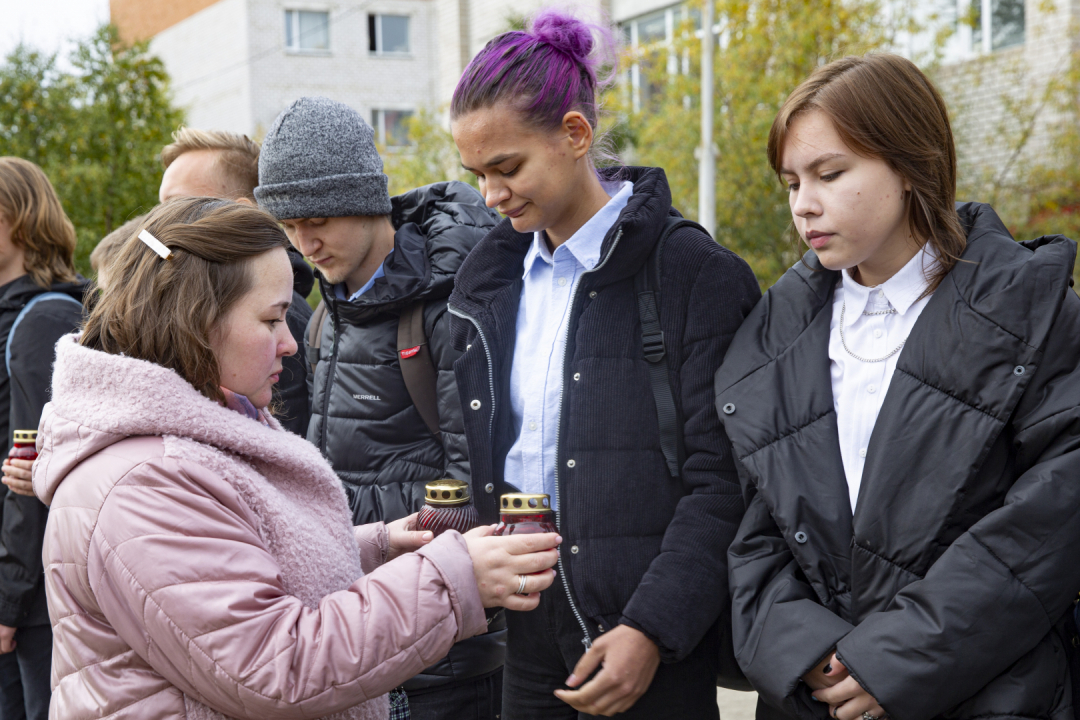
x,y
545,71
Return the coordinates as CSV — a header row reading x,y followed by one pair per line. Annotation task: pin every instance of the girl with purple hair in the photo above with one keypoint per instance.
x,y
559,391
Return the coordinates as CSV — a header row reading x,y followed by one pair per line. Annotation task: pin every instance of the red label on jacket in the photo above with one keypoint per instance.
x,y
410,352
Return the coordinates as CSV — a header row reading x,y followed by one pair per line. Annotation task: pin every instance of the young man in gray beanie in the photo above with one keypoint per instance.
x,y
386,267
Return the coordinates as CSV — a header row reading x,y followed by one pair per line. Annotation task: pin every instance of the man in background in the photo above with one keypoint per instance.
x,y
214,163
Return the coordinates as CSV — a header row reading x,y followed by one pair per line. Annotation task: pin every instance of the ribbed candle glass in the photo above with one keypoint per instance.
x,y
447,506
24,446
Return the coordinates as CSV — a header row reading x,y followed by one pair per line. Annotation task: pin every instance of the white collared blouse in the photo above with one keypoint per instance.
x,y
871,331
536,376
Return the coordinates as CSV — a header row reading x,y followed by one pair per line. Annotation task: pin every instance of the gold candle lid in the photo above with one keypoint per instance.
x,y
446,492
525,503
25,436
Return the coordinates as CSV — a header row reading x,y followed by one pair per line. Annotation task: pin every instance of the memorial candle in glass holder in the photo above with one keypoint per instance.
x,y
524,513
24,446
447,506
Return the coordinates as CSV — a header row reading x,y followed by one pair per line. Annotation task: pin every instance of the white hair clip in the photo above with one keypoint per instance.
x,y
154,244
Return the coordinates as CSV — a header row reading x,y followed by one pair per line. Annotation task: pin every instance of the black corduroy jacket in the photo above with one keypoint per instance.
x,y
639,548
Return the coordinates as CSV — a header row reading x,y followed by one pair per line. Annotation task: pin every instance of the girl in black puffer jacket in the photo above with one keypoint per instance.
x,y
557,395
905,408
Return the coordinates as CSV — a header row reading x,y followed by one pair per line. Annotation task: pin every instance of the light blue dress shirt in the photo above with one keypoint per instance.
x,y
536,376
340,289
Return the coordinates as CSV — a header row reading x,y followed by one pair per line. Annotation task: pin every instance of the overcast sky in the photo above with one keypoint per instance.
x,y
48,24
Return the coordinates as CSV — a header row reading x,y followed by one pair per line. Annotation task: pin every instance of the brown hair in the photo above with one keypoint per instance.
x,y
884,107
236,164
165,310
108,248
38,223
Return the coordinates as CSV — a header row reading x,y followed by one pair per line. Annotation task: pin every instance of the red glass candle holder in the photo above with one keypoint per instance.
x,y
447,506
524,513
24,445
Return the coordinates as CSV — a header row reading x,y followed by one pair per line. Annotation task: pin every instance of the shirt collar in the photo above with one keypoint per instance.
x,y
586,243
901,291
340,288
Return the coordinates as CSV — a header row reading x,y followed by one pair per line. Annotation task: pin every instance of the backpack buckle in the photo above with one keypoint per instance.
x,y
654,346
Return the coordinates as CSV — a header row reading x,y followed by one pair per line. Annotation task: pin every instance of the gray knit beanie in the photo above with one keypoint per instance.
x,y
319,160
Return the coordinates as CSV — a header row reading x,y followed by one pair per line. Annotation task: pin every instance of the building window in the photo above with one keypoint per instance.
x,y
391,127
648,76
996,24
388,34
307,31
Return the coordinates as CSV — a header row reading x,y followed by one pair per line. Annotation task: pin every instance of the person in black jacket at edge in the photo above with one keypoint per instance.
x,y
558,392
380,258
40,301
215,163
905,407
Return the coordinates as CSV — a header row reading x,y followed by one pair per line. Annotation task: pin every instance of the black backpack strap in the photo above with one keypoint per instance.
x,y
417,367
314,334
647,287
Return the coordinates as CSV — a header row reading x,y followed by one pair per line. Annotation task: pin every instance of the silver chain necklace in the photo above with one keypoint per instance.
x,y
843,340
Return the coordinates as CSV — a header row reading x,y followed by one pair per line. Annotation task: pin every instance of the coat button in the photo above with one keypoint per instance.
x,y
729,409
468,347
1019,370
475,404
489,488
577,376
592,294
570,463
574,549
800,537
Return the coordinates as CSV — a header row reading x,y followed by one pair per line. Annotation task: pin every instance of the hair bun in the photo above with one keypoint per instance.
x,y
564,33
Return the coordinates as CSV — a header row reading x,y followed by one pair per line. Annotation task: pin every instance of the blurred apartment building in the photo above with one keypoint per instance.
x,y
236,64
992,59
994,74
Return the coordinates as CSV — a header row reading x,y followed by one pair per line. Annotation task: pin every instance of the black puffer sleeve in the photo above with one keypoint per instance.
x,y
780,629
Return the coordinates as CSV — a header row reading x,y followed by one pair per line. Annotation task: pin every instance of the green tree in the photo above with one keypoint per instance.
x,y
431,156
766,48
95,130
36,107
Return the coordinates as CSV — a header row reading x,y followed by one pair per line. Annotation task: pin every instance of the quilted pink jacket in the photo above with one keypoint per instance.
x,y
202,565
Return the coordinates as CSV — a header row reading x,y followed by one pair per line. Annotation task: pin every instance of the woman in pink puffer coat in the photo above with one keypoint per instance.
x,y
199,560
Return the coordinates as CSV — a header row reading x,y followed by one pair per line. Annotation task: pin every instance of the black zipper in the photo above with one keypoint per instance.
x,y
491,367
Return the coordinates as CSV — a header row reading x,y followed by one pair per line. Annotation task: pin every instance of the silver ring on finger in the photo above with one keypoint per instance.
x,y
867,716
521,588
